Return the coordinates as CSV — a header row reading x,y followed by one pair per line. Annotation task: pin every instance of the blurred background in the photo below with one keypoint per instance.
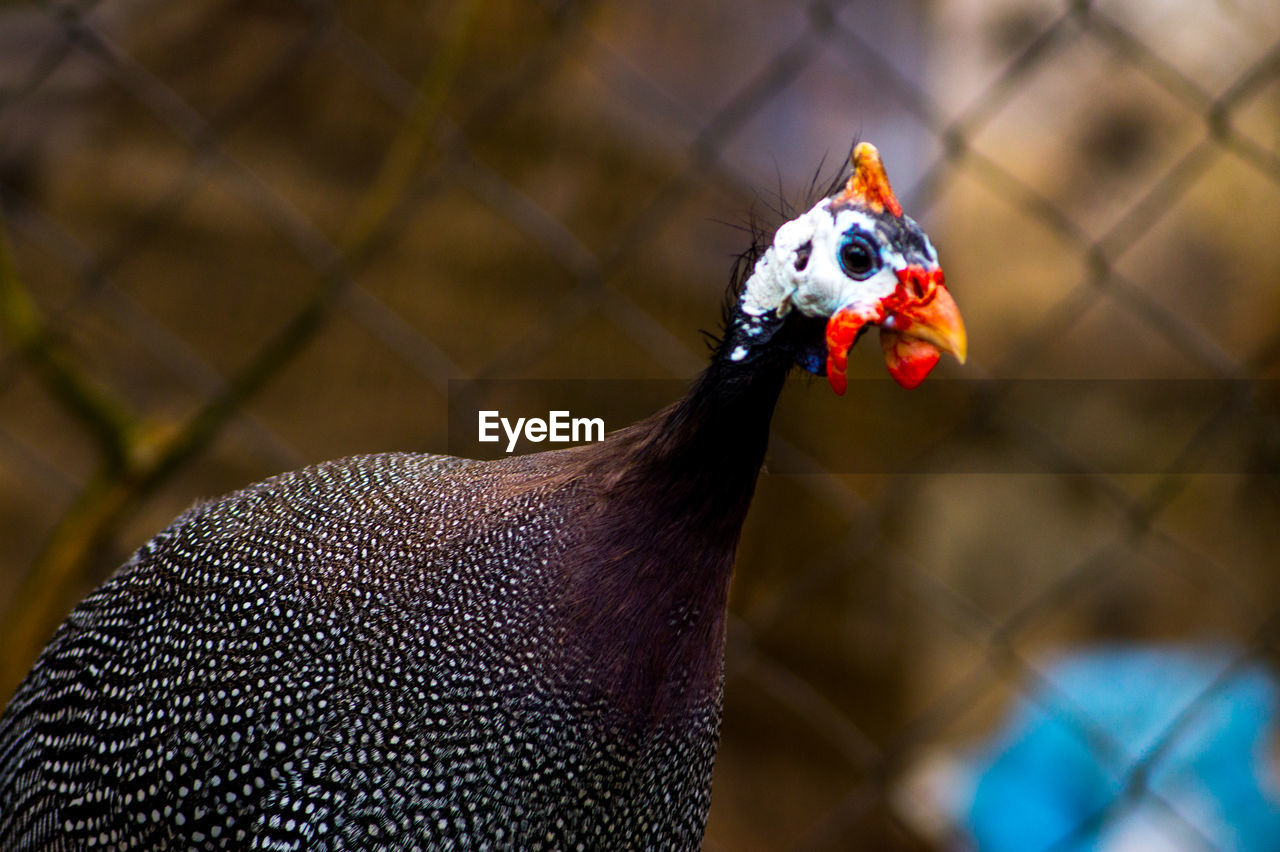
x,y
241,237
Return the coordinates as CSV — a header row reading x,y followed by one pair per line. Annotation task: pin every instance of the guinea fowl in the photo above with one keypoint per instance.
x,y
412,651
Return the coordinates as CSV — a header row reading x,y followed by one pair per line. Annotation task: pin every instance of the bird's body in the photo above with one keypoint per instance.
x,y
407,651
329,660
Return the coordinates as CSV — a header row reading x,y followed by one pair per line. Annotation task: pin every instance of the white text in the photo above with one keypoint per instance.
x,y
558,428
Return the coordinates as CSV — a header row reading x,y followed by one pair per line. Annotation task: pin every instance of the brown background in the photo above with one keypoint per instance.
x,y
246,236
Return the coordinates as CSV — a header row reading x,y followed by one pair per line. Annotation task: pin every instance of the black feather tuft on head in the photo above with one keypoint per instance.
x,y
760,228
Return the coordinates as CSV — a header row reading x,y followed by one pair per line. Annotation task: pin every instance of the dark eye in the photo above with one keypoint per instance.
x,y
858,257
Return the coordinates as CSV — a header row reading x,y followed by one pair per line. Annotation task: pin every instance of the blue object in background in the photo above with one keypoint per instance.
x,y
1056,777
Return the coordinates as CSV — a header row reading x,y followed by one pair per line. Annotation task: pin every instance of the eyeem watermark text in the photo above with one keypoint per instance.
x,y
979,426
558,428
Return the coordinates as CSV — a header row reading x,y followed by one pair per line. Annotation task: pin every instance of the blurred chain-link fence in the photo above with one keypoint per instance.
x,y
241,237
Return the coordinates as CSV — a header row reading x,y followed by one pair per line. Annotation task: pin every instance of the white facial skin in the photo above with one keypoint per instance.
x,y
817,286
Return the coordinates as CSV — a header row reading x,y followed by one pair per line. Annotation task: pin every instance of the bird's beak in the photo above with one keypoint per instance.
x,y
915,334
918,322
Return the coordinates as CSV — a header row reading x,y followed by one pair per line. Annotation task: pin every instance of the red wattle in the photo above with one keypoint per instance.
x,y
842,331
909,359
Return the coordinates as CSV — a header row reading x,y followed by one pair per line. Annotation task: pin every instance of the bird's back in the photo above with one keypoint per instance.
x,y
368,653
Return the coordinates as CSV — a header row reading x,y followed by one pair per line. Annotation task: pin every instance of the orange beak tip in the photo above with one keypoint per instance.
x,y
959,342
937,323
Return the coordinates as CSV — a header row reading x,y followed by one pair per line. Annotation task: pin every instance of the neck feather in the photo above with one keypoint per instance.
x,y
648,577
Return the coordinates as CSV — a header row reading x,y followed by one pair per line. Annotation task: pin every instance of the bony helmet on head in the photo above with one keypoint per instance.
x,y
857,261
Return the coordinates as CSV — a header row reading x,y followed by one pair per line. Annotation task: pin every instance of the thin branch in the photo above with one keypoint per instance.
x,y
107,418
139,458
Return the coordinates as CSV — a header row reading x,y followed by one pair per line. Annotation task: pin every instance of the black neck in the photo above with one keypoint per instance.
x,y
650,577
717,435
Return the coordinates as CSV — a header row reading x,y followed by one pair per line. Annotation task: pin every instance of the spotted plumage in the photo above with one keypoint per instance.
x,y
332,659
418,652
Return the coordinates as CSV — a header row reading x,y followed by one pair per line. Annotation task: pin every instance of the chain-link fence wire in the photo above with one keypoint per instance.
x,y
242,237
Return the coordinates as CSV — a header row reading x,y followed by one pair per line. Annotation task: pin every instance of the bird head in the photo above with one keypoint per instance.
x,y
855,261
